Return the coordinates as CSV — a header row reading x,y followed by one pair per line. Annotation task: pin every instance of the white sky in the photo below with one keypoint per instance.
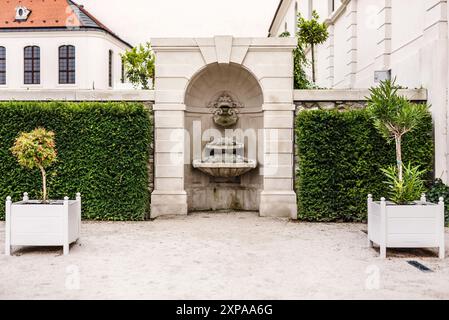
x,y
137,21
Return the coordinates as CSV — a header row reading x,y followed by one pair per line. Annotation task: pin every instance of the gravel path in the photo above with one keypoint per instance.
x,y
220,256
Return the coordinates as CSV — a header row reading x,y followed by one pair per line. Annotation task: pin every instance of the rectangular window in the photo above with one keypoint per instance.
x,y
2,65
66,64
122,79
310,9
32,65
110,69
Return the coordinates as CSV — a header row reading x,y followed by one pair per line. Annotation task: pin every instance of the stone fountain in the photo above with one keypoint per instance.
x,y
224,157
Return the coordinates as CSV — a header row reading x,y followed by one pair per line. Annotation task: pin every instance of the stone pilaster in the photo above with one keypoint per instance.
x,y
278,197
351,31
169,196
383,57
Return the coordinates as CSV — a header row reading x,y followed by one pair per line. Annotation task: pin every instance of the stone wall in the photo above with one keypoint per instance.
x,y
179,65
343,100
329,105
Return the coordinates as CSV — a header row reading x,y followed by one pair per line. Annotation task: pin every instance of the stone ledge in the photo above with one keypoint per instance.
x,y
76,95
351,95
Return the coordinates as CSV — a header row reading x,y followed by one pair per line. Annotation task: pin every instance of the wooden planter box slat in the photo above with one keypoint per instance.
x,y
56,224
406,226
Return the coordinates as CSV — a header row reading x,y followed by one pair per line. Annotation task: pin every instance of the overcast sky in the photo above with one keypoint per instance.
x,y
138,20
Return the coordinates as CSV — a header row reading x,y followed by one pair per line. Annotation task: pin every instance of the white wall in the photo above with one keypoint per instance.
x,y
91,47
367,24
408,22
408,37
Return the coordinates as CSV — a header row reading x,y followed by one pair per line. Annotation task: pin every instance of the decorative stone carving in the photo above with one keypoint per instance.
x,y
225,111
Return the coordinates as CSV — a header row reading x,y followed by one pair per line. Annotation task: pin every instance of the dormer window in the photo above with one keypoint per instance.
x,y
22,13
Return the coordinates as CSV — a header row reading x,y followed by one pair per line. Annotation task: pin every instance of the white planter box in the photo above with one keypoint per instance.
x,y
29,223
420,225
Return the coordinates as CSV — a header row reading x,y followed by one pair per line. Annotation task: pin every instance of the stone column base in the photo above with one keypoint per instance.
x,y
168,203
278,204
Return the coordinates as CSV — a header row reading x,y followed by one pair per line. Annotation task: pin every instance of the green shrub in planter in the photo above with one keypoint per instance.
x,y
103,152
394,116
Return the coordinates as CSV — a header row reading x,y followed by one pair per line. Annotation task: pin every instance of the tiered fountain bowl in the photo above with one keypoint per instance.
x,y
224,158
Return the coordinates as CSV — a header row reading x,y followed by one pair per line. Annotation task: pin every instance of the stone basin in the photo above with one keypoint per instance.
x,y
225,170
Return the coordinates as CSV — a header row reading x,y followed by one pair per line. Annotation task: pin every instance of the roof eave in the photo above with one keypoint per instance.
x,y
85,28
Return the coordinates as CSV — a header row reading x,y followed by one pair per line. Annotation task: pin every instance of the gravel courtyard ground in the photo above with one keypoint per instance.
x,y
220,256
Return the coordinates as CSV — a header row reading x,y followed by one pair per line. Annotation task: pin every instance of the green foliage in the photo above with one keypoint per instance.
x,y
300,63
103,151
139,66
284,34
36,149
394,115
408,189
312,32
439,189
340,155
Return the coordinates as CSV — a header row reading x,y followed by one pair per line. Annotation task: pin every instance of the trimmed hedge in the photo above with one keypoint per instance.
x,y
103,151
339,159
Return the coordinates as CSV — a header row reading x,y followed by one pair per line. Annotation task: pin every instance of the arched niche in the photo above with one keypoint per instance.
x,y
205,192
216,78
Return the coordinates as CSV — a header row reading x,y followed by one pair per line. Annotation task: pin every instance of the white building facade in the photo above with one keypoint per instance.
x,y
58,46
406,40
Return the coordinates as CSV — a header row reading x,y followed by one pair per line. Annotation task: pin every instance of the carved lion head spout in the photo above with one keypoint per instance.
x,y
224,110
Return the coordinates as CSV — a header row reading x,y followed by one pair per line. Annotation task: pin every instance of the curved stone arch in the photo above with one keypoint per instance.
x,y
235,79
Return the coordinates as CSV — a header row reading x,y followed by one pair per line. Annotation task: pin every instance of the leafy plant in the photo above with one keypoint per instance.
x,y
300,63
312,32
394,116
439,189
139,66
284,34
36,149
407,189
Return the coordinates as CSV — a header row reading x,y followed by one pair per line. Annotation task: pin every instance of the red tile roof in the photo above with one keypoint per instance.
x,y
44,13
49,14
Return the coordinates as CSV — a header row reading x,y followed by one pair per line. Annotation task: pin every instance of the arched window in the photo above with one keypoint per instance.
x,y
2,65
32,65
110,68
67,66
122,71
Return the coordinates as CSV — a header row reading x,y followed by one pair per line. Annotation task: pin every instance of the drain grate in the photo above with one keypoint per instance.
x,y
419,266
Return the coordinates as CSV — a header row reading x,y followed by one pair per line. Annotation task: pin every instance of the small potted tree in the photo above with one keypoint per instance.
x,y
403,221
41,222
